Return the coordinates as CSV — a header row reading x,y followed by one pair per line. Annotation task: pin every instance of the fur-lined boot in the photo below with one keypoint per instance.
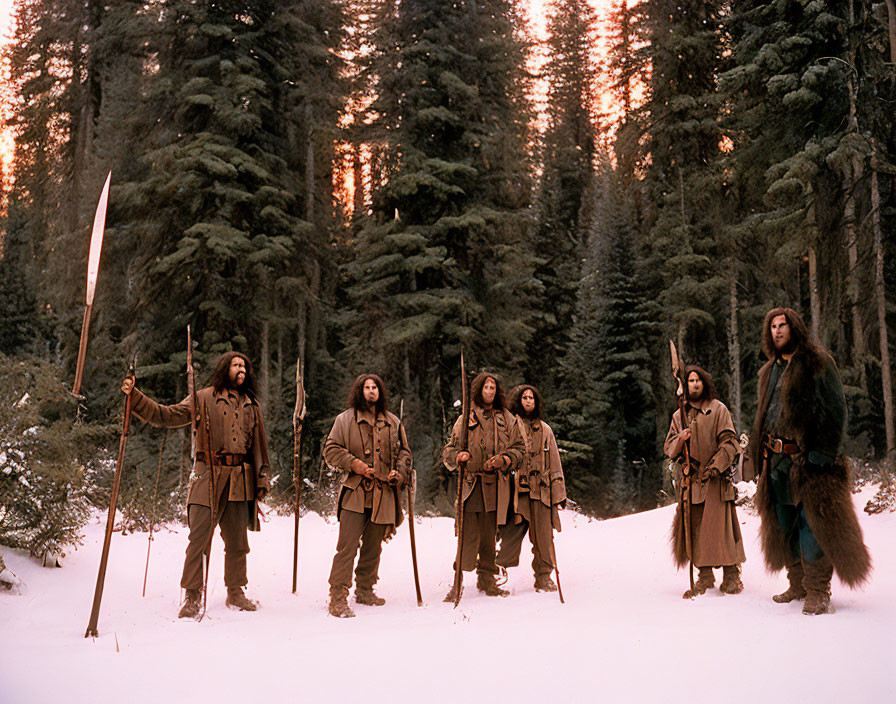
x,y
818,585
338,606
486,583
796,590
192,604
366,595
705,580
731,581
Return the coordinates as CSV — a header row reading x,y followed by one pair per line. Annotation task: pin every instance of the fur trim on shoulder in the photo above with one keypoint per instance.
x,y
831,515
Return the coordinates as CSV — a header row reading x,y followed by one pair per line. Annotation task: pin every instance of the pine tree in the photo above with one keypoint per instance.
x,y
568,147
444,260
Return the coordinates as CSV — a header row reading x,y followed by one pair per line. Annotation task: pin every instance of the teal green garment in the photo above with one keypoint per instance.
x,y
779,465
819,449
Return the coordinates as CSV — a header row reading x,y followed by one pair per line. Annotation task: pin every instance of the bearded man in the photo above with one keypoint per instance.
x,y
368,443
495,449
809,524
539,492
230,416
710,436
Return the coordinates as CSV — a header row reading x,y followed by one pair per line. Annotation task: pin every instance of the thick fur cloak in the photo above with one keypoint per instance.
x,y
813,412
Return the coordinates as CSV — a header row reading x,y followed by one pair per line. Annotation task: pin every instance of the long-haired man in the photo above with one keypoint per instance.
x,y
495,448
709,433
369,445
809,525
539,491
229,415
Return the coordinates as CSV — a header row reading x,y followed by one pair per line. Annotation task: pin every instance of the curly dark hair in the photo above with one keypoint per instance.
x,y
516,402
356,398
709,389
800,337
476,390
220,379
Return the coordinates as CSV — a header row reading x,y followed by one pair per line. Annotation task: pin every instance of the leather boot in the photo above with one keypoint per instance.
x,y
818,585
237,600
705,580
796,590
486,583
731,581
544,583
192,604
338,606
365,595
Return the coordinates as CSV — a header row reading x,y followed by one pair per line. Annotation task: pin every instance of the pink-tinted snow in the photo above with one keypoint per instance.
x,y
624,634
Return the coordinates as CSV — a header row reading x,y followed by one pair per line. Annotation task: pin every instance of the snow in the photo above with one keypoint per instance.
x,y
624,634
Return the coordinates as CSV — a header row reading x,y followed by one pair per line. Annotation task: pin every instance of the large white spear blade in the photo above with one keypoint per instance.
x,y
96,240
93,266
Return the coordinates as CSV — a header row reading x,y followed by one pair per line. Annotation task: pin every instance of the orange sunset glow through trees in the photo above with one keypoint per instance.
x,y
354,161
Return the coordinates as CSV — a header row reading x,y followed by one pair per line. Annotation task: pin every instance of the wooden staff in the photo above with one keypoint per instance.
x,y
110,521
461,466
298,421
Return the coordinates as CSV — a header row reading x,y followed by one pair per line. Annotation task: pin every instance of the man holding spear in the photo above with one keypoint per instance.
x,y
230,425
495,448
368,443
703,425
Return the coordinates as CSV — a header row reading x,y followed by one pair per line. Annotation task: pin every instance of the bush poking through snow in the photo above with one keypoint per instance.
x,y
43,502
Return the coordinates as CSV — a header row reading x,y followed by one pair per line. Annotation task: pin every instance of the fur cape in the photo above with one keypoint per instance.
x,y
813,412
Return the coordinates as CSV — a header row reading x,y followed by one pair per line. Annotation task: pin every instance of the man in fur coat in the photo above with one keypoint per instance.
x,y
710,437
809,525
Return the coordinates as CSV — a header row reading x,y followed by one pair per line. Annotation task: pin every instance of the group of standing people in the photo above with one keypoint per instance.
x,y
512,464
513,480
808,522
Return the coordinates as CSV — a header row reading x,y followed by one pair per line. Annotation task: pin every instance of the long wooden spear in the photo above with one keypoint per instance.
x,y
298,420
461,466
152,514
93,265
678,373
412,486
110,521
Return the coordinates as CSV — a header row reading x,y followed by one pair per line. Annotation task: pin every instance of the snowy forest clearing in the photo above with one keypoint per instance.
x,y
624,634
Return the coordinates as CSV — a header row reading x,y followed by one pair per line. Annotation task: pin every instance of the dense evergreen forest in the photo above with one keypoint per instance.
x,y
374,185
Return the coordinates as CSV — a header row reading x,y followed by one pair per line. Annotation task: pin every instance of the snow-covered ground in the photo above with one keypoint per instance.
x,y
624,634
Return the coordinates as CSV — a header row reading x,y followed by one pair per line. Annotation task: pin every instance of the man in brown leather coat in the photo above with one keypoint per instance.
x,y
229,413
539,492
368,443
495,448
715,531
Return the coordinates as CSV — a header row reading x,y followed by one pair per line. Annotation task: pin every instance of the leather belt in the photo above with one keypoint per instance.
x,y
224,459
780,446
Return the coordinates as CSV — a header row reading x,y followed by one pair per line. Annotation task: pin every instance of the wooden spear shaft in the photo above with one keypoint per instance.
x,y
110,521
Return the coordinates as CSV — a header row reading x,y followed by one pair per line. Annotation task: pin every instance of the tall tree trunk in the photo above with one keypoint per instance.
x,y
734,349
886,380
264,373
814,302
358,180
310,185
851,181
891,25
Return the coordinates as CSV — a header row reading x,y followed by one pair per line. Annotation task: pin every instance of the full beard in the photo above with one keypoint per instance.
x,y
788,348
